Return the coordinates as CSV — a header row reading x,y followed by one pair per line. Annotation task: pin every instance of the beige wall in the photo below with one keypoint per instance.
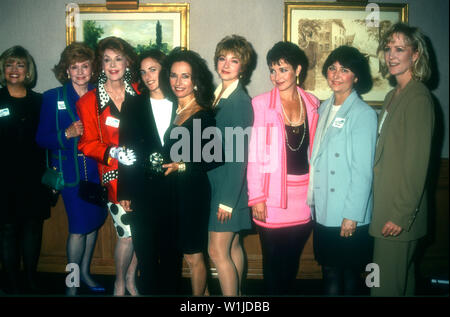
x,y
39,25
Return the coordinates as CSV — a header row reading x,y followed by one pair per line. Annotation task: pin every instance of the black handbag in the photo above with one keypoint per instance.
x,y
92,192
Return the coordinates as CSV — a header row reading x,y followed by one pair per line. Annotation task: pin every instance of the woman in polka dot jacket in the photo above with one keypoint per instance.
x,y
99,110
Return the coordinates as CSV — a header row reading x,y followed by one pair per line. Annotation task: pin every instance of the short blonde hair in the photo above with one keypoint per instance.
x,y
421,68
243,50
20,53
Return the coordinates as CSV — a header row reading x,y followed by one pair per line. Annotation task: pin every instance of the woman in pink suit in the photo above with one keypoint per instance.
x,y
278,169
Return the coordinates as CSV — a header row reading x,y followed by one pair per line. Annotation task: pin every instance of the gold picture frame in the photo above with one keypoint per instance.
x,y
139,27
319,27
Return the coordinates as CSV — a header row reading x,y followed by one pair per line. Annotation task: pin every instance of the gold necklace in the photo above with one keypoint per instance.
x,y
297,126
301,142
180,110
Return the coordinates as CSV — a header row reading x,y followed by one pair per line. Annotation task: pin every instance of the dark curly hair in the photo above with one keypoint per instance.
x,y
118,45
74,53
291,54
159,57
201,75
349,57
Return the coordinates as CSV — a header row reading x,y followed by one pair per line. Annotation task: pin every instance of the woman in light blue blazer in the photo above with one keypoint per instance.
x,y
340,188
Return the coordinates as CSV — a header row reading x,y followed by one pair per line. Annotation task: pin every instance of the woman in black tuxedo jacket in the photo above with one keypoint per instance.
x,y
144,192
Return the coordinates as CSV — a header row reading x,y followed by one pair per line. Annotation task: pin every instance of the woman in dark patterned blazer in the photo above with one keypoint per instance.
x,y
229,212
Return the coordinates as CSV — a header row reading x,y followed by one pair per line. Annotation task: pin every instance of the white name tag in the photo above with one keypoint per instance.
x,y
4,112
339,123
112,122
61,105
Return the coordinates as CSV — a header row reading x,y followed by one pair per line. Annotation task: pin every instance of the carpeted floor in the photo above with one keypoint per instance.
x,y
53,284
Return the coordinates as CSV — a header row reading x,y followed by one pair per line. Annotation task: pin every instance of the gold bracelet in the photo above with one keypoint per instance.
x,y
181,167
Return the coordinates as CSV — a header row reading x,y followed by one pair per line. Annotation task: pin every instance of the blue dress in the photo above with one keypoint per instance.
x,y
83,217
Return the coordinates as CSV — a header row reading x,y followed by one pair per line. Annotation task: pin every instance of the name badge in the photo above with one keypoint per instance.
x,y
61,105
112,122
4,112
339,123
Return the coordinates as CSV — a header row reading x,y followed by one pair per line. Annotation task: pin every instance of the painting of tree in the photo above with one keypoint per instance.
x,y
94,31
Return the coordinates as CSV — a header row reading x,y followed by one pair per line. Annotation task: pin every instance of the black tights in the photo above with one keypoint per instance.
x,y
341,281
281,250
18,240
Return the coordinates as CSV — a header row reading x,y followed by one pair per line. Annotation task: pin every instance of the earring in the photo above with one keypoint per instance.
x,y
195,88
68,75
127,75
102,78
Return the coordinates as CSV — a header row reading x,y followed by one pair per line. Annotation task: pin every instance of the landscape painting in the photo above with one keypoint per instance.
x,y
144,28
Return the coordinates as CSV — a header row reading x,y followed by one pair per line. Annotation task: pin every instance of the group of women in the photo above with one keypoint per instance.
x,y
143,130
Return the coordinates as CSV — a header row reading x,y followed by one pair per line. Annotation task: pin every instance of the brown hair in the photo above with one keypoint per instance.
x,y
119,45
74,53
243,50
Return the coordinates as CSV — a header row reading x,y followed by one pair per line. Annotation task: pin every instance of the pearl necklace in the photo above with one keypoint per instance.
x,y
296,125
180,110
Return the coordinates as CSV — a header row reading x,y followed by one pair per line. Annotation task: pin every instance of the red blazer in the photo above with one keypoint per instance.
x,y
96,142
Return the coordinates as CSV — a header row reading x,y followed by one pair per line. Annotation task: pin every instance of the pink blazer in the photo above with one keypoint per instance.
x,y
266,173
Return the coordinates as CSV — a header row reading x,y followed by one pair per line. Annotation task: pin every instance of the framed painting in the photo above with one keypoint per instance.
x,y
320,27
156,25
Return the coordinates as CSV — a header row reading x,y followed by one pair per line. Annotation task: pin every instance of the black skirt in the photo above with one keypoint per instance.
x,y
330,249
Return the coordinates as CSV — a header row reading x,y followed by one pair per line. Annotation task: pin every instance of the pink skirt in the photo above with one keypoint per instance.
x,y
297,211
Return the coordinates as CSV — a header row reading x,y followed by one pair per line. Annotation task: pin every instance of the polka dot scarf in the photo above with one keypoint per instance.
x,y
104,97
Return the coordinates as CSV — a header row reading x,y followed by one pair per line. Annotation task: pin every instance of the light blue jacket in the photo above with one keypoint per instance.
x,y
343,164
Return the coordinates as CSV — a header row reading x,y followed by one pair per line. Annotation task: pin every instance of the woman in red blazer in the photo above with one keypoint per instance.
x,y
99,110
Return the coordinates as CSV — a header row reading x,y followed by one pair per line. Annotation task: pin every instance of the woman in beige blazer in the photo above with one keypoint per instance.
x,y
402,154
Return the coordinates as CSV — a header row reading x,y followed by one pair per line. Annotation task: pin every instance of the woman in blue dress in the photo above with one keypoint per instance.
x,y
74,71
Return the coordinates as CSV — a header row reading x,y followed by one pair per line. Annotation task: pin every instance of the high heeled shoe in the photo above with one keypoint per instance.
x,y
97,289
135,292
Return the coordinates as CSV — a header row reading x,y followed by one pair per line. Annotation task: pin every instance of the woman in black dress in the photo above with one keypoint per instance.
x,y
191,83
25,201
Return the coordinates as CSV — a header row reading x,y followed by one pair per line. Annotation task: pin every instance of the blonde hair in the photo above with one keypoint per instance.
x,y
20,53
420,69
